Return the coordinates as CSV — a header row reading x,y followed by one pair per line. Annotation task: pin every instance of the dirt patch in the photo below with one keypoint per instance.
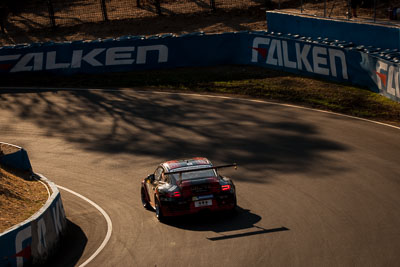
x,y
180,24
84,21
208,23
20,197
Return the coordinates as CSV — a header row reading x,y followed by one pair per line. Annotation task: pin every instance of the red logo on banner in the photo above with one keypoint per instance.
x,y
383,77
262,51
25,253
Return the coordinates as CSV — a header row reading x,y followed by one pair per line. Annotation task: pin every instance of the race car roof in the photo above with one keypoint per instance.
x,y
174,164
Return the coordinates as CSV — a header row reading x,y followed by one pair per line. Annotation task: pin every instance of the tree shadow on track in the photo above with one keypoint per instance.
x,y
264,139
225,224
71,247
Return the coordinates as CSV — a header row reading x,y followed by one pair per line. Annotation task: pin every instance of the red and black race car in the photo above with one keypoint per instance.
x,y
187,186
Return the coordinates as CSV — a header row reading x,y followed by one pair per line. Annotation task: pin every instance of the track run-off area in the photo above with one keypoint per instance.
x,y
314,188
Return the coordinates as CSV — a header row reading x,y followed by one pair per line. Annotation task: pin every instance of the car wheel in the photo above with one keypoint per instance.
x,y
234,209
159,214
145,203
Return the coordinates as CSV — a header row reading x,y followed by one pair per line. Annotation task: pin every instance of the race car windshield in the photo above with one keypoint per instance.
x,y
194,174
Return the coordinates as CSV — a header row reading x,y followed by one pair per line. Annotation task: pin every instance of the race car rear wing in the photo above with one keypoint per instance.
x,y
202,169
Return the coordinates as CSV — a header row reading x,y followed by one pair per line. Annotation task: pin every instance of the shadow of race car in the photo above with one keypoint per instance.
x,y
180,187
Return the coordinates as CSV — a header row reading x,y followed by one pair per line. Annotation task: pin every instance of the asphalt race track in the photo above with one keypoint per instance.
x,y
314,189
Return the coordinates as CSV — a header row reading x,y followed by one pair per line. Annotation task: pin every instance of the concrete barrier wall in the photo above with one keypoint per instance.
x,y
35,239
14,157
122,54
328,59
349,31
375,68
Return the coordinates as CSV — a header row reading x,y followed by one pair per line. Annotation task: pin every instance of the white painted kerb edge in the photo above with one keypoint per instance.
x,y
108,220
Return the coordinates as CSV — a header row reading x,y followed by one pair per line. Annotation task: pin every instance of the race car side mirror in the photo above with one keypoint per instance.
x,y
151,177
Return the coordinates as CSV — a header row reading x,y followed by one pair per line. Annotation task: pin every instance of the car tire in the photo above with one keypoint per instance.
x,y
159,214
233,211
145,203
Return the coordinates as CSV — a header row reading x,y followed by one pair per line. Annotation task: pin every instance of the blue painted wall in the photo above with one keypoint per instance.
x,y
18,160
377,69
358,33
35,239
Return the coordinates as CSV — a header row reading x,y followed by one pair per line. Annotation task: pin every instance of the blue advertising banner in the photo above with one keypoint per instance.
x,y
33,240
329,59
297,56
15,246
383,74
334,62
122,54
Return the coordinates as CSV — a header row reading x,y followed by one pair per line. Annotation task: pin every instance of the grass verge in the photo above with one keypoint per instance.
x,y
248,81
20,198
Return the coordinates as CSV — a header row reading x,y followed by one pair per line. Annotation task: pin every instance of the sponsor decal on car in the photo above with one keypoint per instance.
x,y
202,197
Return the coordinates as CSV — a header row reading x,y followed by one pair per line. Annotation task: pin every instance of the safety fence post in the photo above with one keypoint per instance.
x,y
212,5
348,9
157,4
104,10
51,14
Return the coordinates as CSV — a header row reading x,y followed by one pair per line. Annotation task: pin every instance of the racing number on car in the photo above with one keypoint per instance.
x,y
202,203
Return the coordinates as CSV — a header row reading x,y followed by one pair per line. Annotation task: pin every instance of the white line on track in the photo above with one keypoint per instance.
x,y
46,186
109,224
273,103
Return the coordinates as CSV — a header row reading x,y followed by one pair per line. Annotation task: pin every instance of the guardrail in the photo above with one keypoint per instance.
x,y
35,239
